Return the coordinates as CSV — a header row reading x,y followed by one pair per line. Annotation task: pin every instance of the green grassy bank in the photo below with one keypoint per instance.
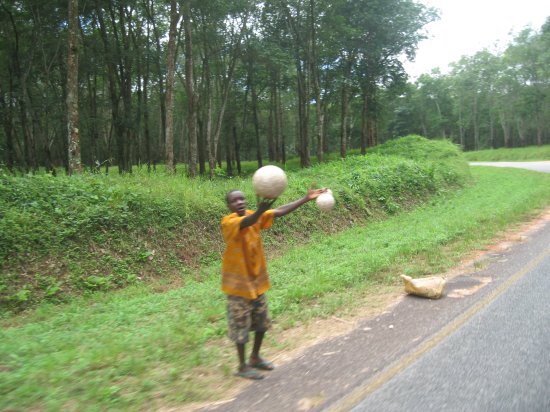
x,y
62,237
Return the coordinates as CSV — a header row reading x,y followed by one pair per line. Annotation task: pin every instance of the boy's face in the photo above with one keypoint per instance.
x,y
237,202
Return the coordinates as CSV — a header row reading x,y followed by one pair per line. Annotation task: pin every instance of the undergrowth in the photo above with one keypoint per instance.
x,y
64,236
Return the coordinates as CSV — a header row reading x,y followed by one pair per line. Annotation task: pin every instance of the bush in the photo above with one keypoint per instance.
x,y
80,234
445,158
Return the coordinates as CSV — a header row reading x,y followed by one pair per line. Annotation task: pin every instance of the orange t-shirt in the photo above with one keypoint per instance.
x,y
244,269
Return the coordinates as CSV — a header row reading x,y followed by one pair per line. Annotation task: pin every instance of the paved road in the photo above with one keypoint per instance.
x,y
499,360
537,166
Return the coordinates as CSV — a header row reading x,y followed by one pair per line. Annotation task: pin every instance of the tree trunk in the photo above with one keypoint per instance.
x,y
348,63
303,137
491,130
461,126
476,122
373,131
94,131
540,128
170,77
256,125
139,114
226,86
162,93
276,139
73,135
206,135
343,122
440,118
271,127
126,66
505,129
243,125
300,61
364,124
146,132
117,121
228,159
320,127
314,75
7,120
29,157
192,98
237,150
424,128
201,147
283,137
276,123
521,131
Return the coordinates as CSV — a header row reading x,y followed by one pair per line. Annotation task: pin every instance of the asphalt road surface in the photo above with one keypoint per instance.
x,y
499,360
536,166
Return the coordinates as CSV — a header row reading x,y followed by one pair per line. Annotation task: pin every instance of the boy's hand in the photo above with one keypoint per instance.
x,y
314,193
264,204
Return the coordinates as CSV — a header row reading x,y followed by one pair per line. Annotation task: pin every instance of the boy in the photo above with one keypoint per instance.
x,y
244,274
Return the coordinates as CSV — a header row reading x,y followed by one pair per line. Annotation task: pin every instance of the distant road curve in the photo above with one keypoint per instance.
x,y
543,166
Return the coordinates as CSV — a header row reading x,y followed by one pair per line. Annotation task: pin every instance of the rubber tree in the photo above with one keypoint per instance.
x,y
73,135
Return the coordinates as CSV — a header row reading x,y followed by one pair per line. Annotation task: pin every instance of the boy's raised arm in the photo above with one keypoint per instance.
x,y
264,205
289,207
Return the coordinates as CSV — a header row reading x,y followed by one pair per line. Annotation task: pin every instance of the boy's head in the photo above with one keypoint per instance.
x,y
236,202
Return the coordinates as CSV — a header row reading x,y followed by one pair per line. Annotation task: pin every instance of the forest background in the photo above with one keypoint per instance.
x,y
209,84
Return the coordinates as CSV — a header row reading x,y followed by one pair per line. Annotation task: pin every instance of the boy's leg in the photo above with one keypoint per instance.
x,y
258,339
240,352
260,323
256,360
239,319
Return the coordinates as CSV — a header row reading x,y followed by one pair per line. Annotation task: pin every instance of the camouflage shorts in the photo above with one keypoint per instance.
x,y
245,315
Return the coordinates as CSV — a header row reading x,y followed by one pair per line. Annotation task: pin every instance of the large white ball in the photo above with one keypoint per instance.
x,y
325,201
269,182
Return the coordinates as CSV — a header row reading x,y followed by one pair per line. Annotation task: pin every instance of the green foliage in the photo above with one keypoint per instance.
x,y
487,100
81,234
42,213
443,156
419,148
264,60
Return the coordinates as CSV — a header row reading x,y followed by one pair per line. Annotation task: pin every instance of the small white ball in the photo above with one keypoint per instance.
x,y
325,201
269,182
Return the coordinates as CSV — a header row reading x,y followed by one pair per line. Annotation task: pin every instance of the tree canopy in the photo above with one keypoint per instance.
x,y
208,84
197,82
488,100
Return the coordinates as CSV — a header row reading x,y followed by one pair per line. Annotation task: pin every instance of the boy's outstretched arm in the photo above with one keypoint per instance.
x,y
289,207
253,218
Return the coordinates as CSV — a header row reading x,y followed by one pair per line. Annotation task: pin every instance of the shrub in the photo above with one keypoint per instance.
x,y
96,233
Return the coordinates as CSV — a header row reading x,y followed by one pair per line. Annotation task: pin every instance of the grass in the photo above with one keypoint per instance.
x,y
134,349
531,153
65,236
